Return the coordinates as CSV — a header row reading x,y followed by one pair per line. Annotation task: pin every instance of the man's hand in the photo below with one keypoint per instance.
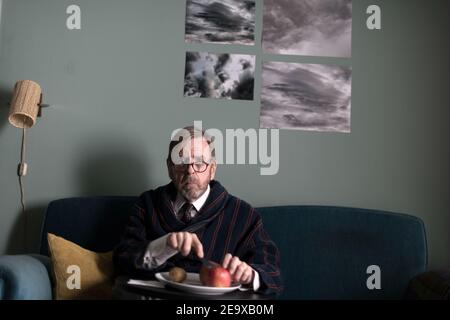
x,y
239,270
184,242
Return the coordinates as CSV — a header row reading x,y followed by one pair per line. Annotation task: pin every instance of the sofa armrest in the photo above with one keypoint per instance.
x,y
25,277
430,285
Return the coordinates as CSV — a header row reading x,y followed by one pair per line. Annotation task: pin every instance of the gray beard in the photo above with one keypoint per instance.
x,y
191,195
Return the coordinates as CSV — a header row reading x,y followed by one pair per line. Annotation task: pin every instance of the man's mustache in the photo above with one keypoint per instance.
x,y
189,180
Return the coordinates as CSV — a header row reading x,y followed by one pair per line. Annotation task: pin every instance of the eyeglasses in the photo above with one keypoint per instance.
x,y
198,167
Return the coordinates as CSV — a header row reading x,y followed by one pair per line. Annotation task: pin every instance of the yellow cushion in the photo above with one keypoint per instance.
x,y
80,273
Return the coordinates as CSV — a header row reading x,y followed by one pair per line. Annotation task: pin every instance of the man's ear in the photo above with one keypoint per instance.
x,y
213,169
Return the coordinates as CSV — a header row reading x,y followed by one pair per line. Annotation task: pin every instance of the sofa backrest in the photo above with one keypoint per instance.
x,y
95,223
325,251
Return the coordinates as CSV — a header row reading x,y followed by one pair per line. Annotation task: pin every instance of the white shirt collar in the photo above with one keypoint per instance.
x,y
198,204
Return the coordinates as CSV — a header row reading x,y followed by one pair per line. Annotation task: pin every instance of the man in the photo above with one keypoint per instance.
x,y
195,217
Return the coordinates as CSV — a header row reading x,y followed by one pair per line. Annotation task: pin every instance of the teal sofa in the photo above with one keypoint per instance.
x,y
325,251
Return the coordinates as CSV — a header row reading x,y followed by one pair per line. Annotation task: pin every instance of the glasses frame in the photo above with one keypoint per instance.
x,y
183,166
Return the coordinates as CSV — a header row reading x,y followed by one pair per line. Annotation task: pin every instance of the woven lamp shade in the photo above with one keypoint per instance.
x,y
25,104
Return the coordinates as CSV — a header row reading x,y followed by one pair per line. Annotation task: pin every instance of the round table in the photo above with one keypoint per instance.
x,y
124,291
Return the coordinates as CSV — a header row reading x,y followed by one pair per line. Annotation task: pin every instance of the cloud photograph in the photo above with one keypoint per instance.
x,y
225,76
225,21
310,97
308,27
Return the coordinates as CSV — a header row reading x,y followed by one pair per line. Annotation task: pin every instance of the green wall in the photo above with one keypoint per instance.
x,y
115,90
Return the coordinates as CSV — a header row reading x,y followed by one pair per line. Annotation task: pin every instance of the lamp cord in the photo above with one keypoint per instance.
x,y
22,191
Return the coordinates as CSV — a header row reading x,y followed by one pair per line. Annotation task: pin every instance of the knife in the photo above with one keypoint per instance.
x,y
208,263
204,261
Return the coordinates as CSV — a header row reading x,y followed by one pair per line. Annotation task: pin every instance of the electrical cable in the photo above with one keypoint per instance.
x,y
21,172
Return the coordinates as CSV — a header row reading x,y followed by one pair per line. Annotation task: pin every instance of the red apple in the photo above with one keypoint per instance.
x,y
219,277
215,276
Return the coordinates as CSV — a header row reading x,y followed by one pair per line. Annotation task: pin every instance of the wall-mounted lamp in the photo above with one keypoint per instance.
x,y
26,104
25,107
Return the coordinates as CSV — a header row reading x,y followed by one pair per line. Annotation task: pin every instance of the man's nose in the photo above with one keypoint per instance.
x,y
190,169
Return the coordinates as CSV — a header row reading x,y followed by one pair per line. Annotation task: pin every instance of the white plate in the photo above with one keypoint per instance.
x,y
192,284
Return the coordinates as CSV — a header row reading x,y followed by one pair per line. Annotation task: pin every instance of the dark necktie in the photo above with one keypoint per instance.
x,y
186,212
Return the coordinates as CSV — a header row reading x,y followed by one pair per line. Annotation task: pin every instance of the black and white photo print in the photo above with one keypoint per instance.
x,y
308,27
213,75
311,97
224,21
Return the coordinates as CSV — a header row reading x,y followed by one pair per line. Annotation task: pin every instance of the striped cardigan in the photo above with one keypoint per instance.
x,y
225,224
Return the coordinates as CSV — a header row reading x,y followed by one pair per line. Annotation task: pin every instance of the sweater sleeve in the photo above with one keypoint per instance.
x,y
262,254
129,253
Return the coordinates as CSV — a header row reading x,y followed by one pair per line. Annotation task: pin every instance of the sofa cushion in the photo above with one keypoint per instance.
x,y
80,273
